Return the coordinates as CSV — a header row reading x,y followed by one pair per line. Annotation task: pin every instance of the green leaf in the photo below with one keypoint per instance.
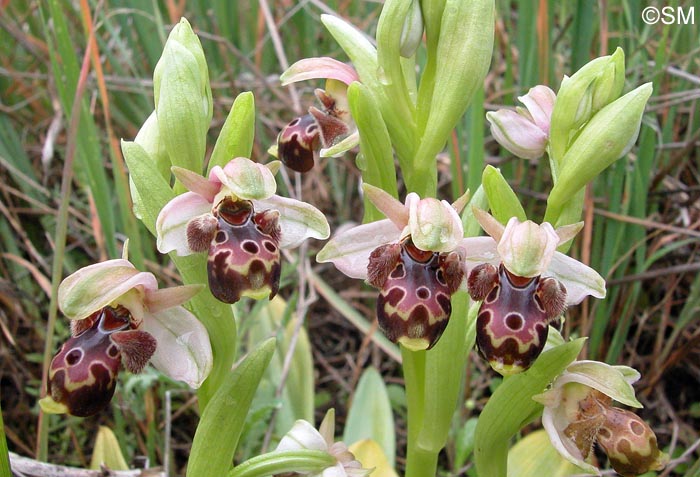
x,y
464,442
216,438
503,202
370,415
534,456
4,455
356,45
511,407
237,134
107,451
377,158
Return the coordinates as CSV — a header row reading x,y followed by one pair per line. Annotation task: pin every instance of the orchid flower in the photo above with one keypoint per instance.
x,y
525,132
414,257
578,412
332,129
119,315
236,217
525,285
304,436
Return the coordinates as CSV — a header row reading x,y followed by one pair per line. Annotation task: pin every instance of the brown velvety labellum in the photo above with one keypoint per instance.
x,y
414,300
244,256
512,325
298,142
82,376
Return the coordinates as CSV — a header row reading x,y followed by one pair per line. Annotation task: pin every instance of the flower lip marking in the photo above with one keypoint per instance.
x,y
415,291
83,375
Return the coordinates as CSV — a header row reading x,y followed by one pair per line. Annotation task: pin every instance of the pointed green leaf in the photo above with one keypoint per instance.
x,y
370,415
503,202
237,133
216,438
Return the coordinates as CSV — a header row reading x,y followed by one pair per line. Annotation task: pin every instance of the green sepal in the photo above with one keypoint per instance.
x,y
511,407
151,191
237,133
216,438
370,416
504,203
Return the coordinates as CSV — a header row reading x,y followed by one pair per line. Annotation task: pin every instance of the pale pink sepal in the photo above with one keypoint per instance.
x,y
315,68
552,421
171,224
93,287
183,352
580,280
298,220
196,183
349,251
164,298
302,436
539,102
392,209
246,179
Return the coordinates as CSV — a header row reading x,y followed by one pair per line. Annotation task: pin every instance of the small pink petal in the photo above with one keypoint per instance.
x,y
394,210
159,300
196,183
539,102
349,250
96,286
490,225
183,351
314,68
171,224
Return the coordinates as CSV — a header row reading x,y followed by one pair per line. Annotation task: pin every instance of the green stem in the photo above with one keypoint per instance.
x,y
283,462
414,377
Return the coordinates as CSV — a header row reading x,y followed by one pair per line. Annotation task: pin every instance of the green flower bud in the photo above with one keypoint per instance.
x,y
412,30
607,137
465,47
595,85
183,98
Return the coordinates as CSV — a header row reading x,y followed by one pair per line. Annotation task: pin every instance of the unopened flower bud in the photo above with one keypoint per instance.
x,y
412,30
183,97
580,96
607,137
